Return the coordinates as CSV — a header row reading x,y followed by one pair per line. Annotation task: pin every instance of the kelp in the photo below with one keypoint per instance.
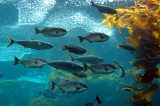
x,y
143,23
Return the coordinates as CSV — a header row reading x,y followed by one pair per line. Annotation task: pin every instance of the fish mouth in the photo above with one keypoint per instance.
x,y
65,31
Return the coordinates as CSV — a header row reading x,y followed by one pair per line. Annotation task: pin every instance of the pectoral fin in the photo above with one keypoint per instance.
x,y
99,10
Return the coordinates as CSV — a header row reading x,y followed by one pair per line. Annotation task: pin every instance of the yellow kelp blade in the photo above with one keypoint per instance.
x,y
130,30
136,79
148,93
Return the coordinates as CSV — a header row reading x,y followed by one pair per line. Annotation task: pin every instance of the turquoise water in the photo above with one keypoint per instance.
x,y
19,86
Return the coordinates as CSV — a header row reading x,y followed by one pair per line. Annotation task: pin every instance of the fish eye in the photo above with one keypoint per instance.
x,y
102,37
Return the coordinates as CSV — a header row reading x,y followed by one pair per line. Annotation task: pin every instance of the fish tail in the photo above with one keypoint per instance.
x,y
71,57
117,64
93,5
81,39
118,45
64,47
98,100
16,60
53,85
85,67
122,72
11,41
37,31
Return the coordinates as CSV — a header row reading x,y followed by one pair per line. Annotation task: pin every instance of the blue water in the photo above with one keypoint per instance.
x,y
19,86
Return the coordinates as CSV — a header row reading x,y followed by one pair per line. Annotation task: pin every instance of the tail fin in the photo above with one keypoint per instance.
x,y
93,5
71,57
16,60
63,47
118,45
53,85
122,72
117,64
81,39
98,100
85,67
37,31
11,41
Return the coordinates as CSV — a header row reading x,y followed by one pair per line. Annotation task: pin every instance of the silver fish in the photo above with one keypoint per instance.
x,y
90,59
127,46
155,59
94,37
104,9
34,44
97,101
48,93
33,62
149,45
70,86
66,66
74,49
102,68
139,61
51,31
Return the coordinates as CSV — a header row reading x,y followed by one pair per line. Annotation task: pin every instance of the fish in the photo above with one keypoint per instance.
x,y
149,45
127,46
32,62
122,71
74,49
102,68
1,74
94,37
97,101
139,61
51,32
155,59
48,93
88,59
34,44
104,9
66,66
80,74
69,86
